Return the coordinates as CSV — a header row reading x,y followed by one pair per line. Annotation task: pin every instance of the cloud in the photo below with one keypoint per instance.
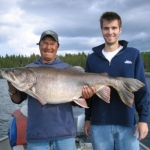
x,y
76,22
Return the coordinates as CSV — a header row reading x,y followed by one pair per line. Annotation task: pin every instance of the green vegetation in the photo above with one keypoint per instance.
x,y
146,60
21,61
73,59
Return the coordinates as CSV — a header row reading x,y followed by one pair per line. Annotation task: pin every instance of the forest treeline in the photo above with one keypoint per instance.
x,y
73,59
21,61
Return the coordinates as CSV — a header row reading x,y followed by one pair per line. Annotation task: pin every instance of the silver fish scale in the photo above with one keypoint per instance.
x,y
54,85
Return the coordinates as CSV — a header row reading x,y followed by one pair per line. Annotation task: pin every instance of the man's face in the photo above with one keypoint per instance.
x,y
111,31
48,49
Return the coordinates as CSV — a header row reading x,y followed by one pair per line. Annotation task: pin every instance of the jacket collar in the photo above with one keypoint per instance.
x,y
98,49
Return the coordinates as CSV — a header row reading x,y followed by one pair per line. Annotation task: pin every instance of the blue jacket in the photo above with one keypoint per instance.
x,y
49,122
116,112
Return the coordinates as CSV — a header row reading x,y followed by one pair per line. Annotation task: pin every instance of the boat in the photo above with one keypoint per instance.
x,y
82,141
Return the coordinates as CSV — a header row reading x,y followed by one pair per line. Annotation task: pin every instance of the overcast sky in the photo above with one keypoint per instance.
x,y
75,21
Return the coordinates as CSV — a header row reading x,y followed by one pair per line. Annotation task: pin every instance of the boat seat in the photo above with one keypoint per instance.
x,y
17,129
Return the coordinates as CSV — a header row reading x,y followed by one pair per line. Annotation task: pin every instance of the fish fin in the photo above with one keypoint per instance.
x,y
37,97
79,68
126,87
104,93
76,68
104,74
81,102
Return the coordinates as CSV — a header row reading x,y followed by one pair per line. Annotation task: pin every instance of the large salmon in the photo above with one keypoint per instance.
x,y
55,85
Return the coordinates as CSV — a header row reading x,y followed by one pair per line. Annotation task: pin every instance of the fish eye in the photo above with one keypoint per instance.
x,y
16,71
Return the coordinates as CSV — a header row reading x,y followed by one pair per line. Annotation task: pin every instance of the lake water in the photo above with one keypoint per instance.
x,y
7,107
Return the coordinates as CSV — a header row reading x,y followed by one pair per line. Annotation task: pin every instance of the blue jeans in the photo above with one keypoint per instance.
x,y
61,144
113,137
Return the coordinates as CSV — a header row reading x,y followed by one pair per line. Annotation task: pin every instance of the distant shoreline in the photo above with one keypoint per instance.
x,y
147,74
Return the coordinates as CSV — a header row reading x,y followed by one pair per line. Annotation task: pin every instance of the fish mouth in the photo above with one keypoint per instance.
x,y
7,74
3,73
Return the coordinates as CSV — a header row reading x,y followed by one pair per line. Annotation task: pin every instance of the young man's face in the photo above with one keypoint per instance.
x,y
111,31
48,49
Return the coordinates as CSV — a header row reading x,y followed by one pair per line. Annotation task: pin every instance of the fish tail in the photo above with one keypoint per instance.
x,y
126,87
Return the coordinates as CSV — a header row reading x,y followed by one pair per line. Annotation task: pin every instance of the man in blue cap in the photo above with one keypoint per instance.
x,y
47,123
